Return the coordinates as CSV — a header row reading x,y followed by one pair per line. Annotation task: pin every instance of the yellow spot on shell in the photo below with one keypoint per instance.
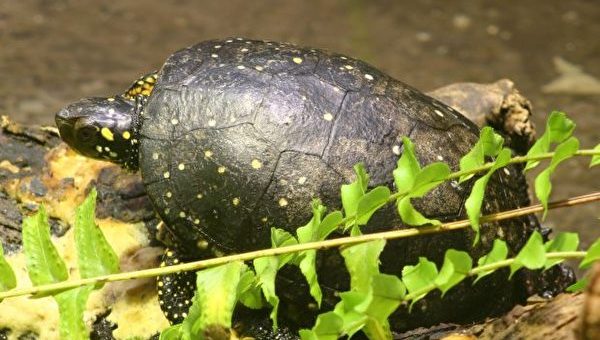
x,y
167,175
199,196
259,68
283,202
368,77
297,60
169,194
328,116
264,219
174,121
221,169
107,134
154,155
160,283
208,153
99,148
256,164
348,67
236,201
181,166
182,214
196,221
301,180
126,135
202,244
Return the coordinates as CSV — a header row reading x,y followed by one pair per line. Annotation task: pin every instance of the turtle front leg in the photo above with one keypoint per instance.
x,y
175,291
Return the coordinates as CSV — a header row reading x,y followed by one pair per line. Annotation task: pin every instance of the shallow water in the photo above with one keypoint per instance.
x,y
54,52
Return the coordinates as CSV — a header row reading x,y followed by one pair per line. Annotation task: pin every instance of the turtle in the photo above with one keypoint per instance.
x,y
235,136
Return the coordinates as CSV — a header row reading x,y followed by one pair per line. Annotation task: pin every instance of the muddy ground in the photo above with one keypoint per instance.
x,y
53,52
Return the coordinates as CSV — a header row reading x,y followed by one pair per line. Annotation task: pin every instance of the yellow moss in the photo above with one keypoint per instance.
x,y
138,316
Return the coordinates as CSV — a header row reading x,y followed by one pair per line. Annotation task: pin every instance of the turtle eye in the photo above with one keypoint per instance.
x,y
86,133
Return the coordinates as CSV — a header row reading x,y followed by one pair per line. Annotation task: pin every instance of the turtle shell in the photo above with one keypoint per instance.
x,y
238,136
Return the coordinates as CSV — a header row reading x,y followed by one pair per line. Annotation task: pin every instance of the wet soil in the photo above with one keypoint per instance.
x,y
54,52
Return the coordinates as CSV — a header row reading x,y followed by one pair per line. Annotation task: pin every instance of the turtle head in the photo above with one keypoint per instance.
x,y
102,128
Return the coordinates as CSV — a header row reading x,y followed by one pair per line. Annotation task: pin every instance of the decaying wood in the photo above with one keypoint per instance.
x,y
29,176
498,104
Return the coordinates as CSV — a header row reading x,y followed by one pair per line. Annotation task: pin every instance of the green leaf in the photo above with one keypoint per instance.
x,y
7,275
327,327
44,265
329,224
475,199
558,129
216,293
489,144
95,255
388,292
456,267
532,255
183,331
412,182
368,310
578,286
561,243
71,305
351,193
543,186
282,238
428,178
592,255
308,268
352,309
411,216
419,277
424,181
266,269
362,262
407,169
498,253
310,231
249,293
315,230
596,158
371,202
173,332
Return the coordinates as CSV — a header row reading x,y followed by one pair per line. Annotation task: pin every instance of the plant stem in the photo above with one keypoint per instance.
x,y
343,241
497,265
484,167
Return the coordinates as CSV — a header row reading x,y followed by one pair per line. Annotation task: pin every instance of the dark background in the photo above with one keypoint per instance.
x,y
54,52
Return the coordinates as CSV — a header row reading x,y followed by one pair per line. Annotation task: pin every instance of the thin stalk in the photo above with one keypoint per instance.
x,y
343,241
495,266
484,167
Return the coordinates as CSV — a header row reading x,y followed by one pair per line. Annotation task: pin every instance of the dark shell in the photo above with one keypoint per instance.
x,y
239,135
